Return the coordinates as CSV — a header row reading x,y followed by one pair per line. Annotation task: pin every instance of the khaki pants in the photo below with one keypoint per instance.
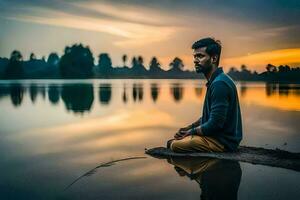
x,y
193,165
196,143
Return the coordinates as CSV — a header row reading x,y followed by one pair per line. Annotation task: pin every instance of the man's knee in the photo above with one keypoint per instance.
x,y
173,145
196,141
183,145
169,142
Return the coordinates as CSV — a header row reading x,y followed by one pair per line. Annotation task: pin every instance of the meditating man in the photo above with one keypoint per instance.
x,y
220,127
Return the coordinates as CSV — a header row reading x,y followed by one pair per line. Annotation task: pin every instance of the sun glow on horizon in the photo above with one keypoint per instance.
x,y
258,61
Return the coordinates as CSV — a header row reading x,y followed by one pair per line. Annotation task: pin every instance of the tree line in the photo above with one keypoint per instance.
x,y
281,73
78,61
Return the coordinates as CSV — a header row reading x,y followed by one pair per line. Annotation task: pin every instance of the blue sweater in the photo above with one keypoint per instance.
x,y
221,118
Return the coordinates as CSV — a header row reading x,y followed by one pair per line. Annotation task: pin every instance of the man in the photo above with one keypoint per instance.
x,y
220,127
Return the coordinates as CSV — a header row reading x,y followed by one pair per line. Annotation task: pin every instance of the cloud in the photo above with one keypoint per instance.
x,y
133,28
160,28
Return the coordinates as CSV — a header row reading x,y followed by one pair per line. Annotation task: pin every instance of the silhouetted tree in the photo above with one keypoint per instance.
x,y
134,62
271,68
232,69
154,66
138,67
77,62
14,68
284,69
124,59
244,74
53,59
243,68
32,57
176,65
140,60
105,64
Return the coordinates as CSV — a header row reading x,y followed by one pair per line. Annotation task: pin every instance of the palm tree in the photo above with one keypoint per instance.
x,y
124,59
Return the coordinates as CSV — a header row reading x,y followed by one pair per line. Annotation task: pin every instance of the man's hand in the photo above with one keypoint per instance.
x,y
182,131
185,128
182,134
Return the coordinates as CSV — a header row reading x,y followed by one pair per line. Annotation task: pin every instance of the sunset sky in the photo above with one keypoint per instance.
x,y
252,32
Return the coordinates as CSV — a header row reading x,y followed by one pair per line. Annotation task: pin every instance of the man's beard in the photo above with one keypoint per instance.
x,y
203,68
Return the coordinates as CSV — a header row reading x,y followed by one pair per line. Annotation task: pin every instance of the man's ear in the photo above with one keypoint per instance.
x,y
214,58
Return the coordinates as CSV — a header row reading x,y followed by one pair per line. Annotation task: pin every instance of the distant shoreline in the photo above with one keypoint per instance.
x,y
151,78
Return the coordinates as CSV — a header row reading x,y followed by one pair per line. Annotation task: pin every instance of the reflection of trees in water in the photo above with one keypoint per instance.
x,y
243,89
53,94
137,92
198,91
105,93
78,97
42,90
124,97
33,91
154,91
217,178
297,90
282,89
16,94
271,89
177,91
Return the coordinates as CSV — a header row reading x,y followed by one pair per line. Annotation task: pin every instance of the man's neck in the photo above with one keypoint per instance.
x,y
209,74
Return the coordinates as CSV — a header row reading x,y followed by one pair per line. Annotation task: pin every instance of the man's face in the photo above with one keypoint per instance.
x,y
202,60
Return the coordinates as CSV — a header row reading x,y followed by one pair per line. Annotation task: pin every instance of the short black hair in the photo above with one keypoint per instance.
x,y
213,46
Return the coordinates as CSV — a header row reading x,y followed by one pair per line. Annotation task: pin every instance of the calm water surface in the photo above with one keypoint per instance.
x,y
85,139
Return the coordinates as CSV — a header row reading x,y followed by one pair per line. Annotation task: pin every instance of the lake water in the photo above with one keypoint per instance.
x,y
85,139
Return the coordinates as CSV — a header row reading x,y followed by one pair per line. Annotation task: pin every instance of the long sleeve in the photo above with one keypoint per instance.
x,y
220,94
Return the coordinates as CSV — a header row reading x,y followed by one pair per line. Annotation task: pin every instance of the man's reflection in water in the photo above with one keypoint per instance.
x,y
218,179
